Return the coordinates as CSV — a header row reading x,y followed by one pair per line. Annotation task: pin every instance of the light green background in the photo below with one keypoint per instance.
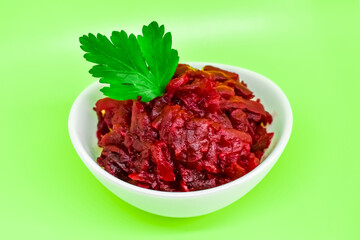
x,y
309,48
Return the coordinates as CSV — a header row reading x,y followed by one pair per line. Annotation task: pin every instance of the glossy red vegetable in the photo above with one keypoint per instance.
x,y
203,132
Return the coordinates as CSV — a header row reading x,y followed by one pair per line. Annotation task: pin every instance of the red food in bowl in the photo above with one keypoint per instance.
x,y
205,131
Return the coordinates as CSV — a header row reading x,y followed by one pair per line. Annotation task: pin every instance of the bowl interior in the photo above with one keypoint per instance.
x,y
83,120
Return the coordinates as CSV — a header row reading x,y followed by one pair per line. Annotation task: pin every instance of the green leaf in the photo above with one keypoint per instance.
x,y
132,66
156,47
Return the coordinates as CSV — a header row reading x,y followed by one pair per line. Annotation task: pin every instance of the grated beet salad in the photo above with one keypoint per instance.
x,y
203,132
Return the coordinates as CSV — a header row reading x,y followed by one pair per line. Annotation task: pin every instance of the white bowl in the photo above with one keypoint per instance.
x,y
82,129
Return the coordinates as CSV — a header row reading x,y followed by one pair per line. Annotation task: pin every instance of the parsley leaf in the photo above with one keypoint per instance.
x,y
132,66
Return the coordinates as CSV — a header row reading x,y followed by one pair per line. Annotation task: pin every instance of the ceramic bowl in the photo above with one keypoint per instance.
x,y
82,129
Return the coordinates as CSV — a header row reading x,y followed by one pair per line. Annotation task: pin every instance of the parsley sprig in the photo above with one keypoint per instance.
x,y
132,66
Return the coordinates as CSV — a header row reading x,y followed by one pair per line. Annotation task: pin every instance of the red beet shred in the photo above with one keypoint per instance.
x,y
203,132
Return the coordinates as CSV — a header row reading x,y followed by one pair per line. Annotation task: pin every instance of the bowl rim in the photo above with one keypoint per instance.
x,y
271,158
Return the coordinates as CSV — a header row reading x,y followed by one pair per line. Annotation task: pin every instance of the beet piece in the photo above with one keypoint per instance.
x,y
112,112
158,106
225,91
227,74
140,132
253,162
242,90
234,170
210,163
102,127
239,120
201,184
230,134
176,83
191,175
170,124
161,157
197,138
142,162
111,138
181,69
